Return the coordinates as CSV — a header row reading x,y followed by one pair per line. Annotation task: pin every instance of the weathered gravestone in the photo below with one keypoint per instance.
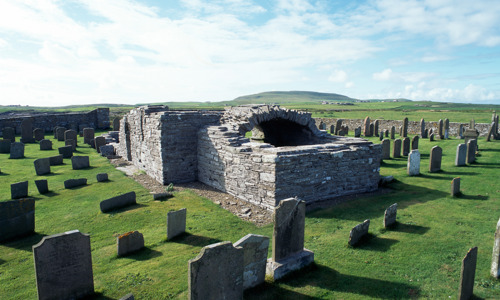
x,y
80,162
386,133
332,129
375,127
101,177
176,223
71,143
467,274
396,150
386,149
381,135
55,131
435,159
405,127
16,150
289,253
42,186
27,131
413,163
401,131
390,215
414,142
440,129
88,134
39,134
460,158
371,129
461,131
107,150
60,133
338,125
393,132
42,166
357,132
254,259
455,186
471,151
120,201
366,127
446,128
426,133
162,196
19,190
406,146
66,151
72,183
129,242
423,134
490,132
4,146
431,137
358,232
71,135
99,141
116,124
322,126
9,133
45,145
495,261
56,160
17,218
63,266
92,143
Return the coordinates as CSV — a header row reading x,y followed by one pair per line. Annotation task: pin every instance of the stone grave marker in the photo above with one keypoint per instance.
x,y
422,128
4,146
27,131
42,186
461,131
101,177
338,125
116,124
88,134
396,150
393,132
107,150
99,141
440,129
45,145
460,158
467,274
381,135
42,166
56,160
376,127
60,133
471,151
495,261
66,151
401,131
390,215
426,132
39,134
405,127
386,133
17,218
129,242
72,143
162,196
431,137
71,135
176,223
358,232
371,129
386,149
9,133
357,132
216,273
435,159
55,131
19,190
322,126
455,186
406,146
120,201
63,266
366,127
490,132
414,142
446,128
72,183
332,129
414,163
92,143
80,162
254,259
16,150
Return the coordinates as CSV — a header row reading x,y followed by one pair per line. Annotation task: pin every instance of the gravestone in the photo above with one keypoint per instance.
x,y
72,183
426,132
176,223
71,143
467,274
116,124
45,145
120,201
92,143
386,149
393,132
413,166
396,150
71,135
60,133
42,186
381,135
470,134
80,162
455,186
405,127
386,133
88,134
460,158
16,150
55,132
423,134
129,242
490,132
4,146
414,142
431,137
322,126
17,218
371,129
63,266
39,134
376,126
101,177
27,131
9,133
390,215
435,159
461,131
332,129
338,125
107,150
357,132
99,141
216,273
162,196
440,129
358,232
288,252
19,190
56,160
406,146
254,259
401,131
66,151
495,261
42,166
471,151
366,127
446,128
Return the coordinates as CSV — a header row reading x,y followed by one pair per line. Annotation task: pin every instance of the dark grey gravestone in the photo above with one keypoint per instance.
x,y
88,134
107,150
60,133
55,132
42,186
45,145
71,143
17,218
366,127
467,274
92,143
396,150
386,149
390,215
99,141
42,166
376,125
460,158
129,242
381,135
405,127
406,146
401,131
4,146
56,160
423,134
66,151
358,232
254,259
471,151
16,150
338,125
39,134
440,129
431,137
414,142
386,133
413,166
393,132
455,186
357,132
426,133
116,124
176,223
435,159
162,196
63,266
490,132
495,261
71,135
19,190
461,131
332,129
123,200
216,273
9,133
27,131
446,128
102,177
72,183
80,162
322,126
371,129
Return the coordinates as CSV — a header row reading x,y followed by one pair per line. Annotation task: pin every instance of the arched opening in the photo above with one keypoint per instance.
x,y
281,132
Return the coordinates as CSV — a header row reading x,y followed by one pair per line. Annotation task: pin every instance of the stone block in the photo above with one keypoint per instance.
x,y
254,259
42,186
162,196
4,146
66,151
56,160
128,296
80,162
455,186
358,232
435,159
45,145
19,190
16,150
176,223
72,183
390,215
413,166
467,274
129,242
101,177
17,218
42,166
116,124
120,201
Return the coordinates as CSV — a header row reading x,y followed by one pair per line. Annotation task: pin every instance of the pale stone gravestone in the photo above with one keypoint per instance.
x,y
9,133
176,223
375,127
42,166
440,129
338,125
357,132
71,135
455,186
431,137
27,131
101,177
45,145
116,124
386,149
414,142
66,151
460,158
71,143
289,253
63,266
470,134
17,218
120,201
446,128
471,151
42,186
216,273
107,150
422,128
390,215
72,183
495,261
401,131
366,127
406,146
99,141
16,150
56,160
358,232
129,242
461,131
88,134
60,133
414,163
39,134
80,162
467,274
254,259
4,146
405,127
435,159
19,190
332,129
490,132
393,132
396,150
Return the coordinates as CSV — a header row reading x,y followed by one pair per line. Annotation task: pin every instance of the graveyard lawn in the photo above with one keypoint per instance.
x,y
419,257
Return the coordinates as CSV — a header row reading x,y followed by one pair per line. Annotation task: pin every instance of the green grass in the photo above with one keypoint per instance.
x,y
419,258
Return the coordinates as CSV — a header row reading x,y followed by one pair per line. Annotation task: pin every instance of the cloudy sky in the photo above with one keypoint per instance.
x,y
123,51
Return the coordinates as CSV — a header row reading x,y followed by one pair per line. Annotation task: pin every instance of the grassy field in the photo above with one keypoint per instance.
x,y
419,258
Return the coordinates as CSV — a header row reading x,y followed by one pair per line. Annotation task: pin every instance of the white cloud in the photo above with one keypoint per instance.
x,y
434,58
3,43
338,76
383,76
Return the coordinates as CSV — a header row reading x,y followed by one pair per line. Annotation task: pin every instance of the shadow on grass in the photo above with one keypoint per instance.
x,y
4,174
408,228
427,175
193,240
124,209
490,150
472,197
269,291
2,261
459,173
485,165
25,242
145,253
372,242
97,296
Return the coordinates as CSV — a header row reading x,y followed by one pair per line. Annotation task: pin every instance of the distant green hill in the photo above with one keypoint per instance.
x,y
291,97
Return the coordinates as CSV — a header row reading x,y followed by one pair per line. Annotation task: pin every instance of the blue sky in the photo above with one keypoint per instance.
x,y
117,51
